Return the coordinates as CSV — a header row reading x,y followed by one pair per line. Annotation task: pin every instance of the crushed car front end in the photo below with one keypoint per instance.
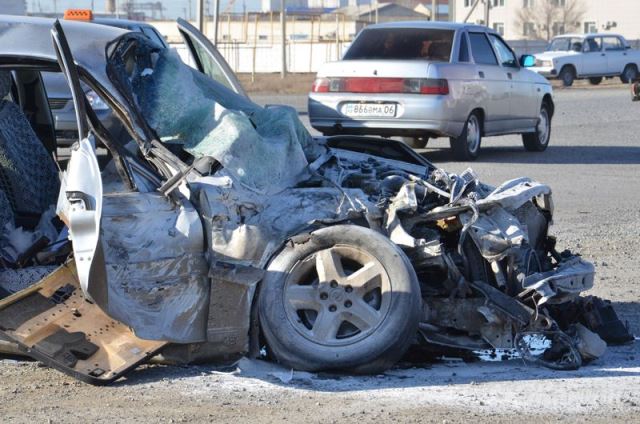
x,y
223,229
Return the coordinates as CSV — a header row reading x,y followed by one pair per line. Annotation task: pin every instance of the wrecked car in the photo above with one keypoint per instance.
x,y
215,228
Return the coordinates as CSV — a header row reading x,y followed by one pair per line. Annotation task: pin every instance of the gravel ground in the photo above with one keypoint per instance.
x,y
593,165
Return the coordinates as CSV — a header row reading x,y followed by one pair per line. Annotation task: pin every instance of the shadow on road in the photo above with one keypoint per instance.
x,y
553,155
619,361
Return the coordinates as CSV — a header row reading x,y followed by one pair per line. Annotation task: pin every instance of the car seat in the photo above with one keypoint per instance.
x,y
28,174
440,51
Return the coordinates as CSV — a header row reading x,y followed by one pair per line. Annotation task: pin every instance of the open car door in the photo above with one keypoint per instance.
x,y
208,59
59,321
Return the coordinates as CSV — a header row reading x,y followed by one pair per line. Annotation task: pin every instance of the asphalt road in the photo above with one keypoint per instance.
x,y
593,165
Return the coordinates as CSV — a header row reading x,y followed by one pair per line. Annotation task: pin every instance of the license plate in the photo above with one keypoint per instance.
x,y
386,110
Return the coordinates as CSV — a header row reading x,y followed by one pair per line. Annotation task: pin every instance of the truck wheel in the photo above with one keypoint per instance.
x,y
567,76
595,80
629,74
467,145
539,140
345,298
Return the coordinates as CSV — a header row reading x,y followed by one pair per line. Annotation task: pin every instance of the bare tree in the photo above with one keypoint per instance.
x,y
543,18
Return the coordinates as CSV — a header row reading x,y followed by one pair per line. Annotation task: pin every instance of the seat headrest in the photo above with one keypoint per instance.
x,y
5,83
440,50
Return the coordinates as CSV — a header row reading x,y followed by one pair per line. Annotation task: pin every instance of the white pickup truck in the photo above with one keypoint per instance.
x,y
593,56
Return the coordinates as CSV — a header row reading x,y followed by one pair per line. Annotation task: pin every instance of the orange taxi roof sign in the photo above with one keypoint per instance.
x,y
78,14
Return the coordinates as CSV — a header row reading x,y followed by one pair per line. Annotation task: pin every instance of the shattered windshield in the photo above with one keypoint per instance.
x,y
262,148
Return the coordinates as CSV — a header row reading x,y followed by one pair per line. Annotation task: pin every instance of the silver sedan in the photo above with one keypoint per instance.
x,y
422,80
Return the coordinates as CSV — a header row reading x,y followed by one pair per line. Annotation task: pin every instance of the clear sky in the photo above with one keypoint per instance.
x,y
173,8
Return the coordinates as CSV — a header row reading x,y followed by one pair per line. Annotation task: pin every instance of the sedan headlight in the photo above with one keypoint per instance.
x,y
544,63
95,101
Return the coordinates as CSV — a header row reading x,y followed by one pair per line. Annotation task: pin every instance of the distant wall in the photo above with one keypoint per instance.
x,y
308,57
301,56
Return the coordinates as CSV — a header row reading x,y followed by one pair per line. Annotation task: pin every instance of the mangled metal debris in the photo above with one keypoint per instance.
x,y
226,230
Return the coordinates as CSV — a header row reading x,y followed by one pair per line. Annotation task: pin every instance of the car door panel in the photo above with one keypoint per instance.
x,y
495,93
523,103
131,245
80,199
616,55
594,60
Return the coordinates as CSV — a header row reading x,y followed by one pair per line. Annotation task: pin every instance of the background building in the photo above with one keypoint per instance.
x,y
543,19
13,7
274,5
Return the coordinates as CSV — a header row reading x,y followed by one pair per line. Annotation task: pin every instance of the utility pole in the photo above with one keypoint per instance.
x,y
466,18
434,10
377,17
487,6
216,20
200,15
337,36
283,39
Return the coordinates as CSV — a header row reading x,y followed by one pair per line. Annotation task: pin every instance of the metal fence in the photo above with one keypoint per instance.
x,y
309,55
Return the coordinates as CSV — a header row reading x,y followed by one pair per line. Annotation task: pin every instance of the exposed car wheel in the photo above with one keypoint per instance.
x,y
567,76
346,299
595,80
416,142
467,145
629,74
539,140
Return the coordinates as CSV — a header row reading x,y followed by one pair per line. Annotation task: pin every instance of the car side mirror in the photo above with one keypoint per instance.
x,y
527,61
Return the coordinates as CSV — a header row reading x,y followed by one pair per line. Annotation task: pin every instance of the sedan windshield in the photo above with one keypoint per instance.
x,y
402,44
565,44
263,148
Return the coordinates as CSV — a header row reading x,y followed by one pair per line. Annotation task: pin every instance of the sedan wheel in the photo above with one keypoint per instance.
x,y
539,140
347,298
567,76
629,74
595,80
416,142
467,145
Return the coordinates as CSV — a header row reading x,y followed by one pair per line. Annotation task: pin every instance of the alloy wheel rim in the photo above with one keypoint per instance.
x,y
630,75
337,296
473,134
543,127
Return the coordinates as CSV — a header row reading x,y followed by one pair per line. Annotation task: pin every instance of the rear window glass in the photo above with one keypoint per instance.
x,y
402,44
